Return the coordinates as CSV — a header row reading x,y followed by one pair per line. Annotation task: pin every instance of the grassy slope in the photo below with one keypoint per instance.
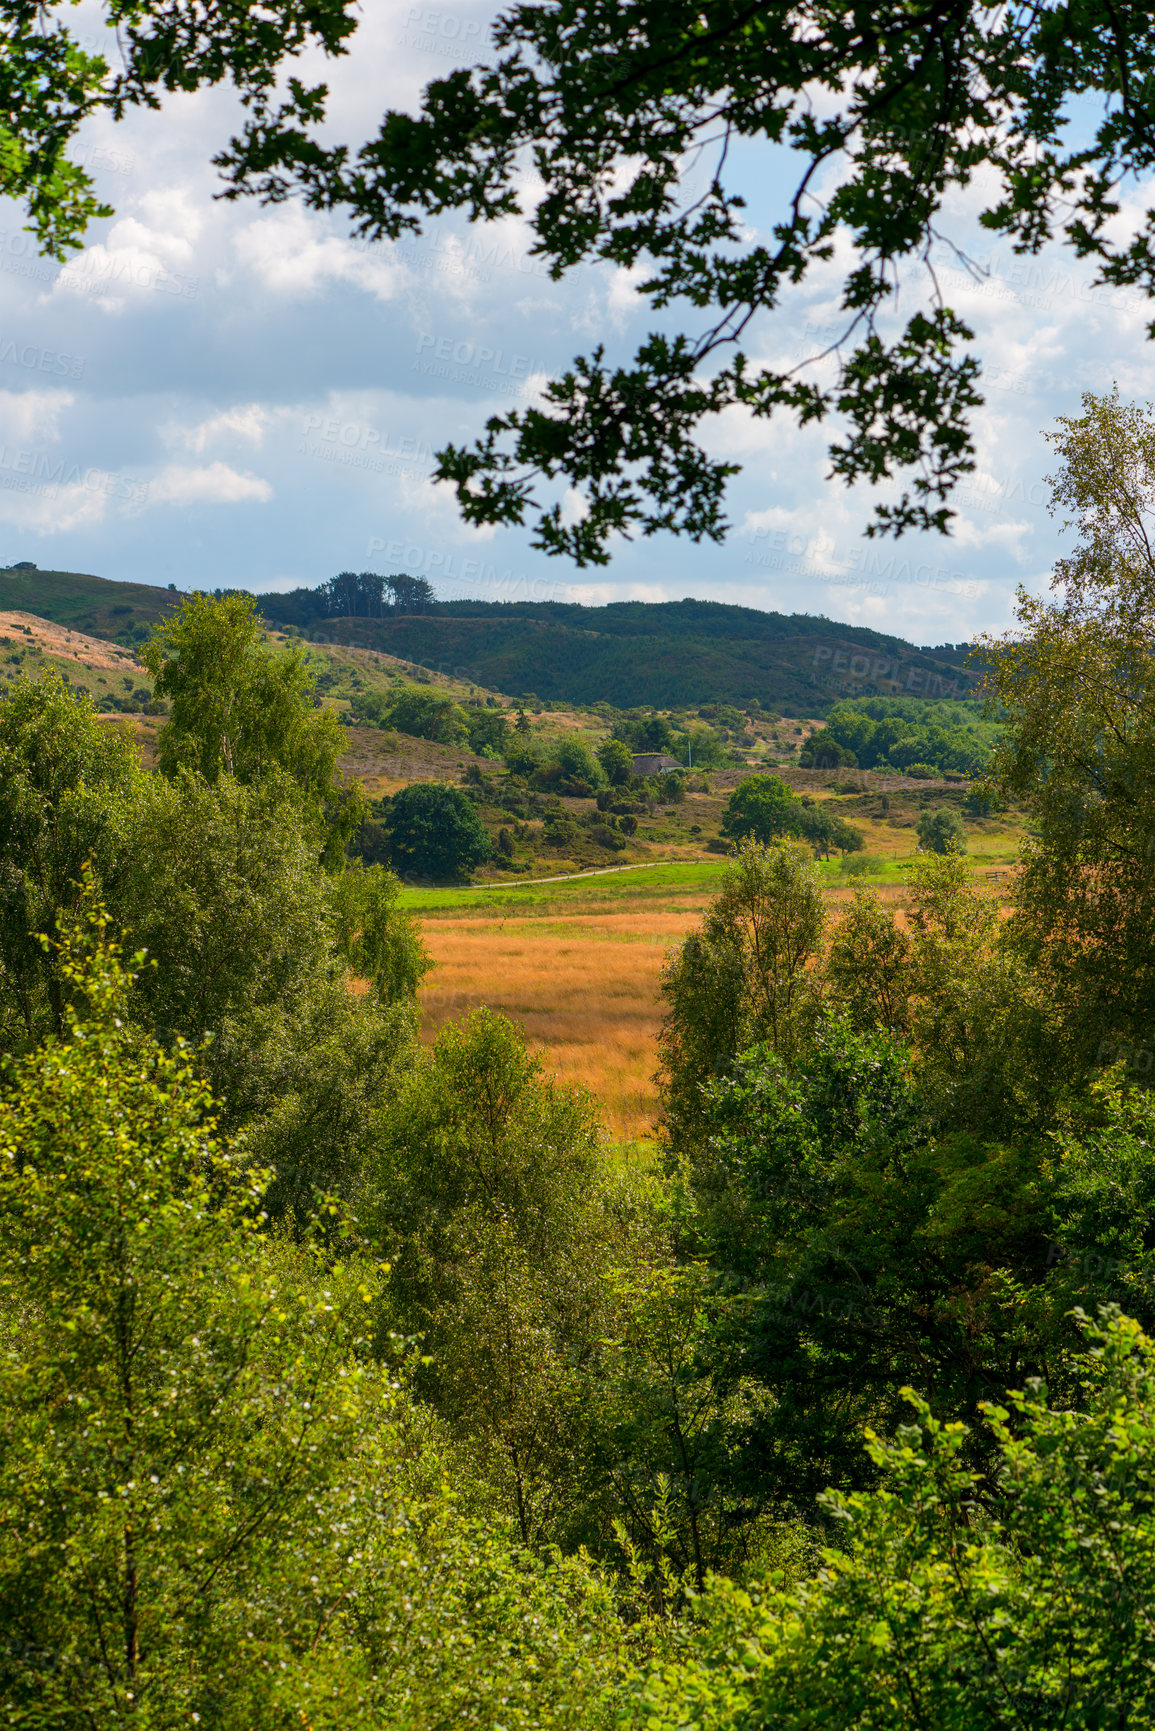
x,y
677,652
384,761
92,604
657,654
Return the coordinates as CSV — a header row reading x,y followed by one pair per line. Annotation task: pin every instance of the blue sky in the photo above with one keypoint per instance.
x,y
215,394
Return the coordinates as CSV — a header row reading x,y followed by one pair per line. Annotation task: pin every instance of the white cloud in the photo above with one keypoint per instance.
x,y
215,484
292,255
32,414
150,253
249,423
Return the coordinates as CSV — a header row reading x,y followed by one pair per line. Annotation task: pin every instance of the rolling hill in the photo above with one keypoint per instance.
x,y
627,653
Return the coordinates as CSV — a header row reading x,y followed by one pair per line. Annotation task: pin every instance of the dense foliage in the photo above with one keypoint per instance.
x,y
350,1380
897,733
434,832
763,808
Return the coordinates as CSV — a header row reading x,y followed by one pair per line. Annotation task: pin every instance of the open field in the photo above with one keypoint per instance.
x,y
578,970
577,963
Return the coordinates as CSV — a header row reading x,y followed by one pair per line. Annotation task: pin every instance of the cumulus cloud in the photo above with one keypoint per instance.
x,y
213,484
198,333
247,423
291,255
33,414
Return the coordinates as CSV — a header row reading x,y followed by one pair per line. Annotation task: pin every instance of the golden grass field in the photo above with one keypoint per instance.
x,y
583,981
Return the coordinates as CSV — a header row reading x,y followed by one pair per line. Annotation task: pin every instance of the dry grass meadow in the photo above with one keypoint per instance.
x,y
582,978
583,984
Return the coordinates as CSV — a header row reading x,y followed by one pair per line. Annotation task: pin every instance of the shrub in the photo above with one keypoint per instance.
x,y
942,831
425,715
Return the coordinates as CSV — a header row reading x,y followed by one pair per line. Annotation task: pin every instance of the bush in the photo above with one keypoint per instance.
x,y
425,715
880,1637
616,761
762,807
942,831
857,865
574,770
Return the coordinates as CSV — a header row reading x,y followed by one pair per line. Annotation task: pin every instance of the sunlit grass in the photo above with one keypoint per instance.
x,y
578,962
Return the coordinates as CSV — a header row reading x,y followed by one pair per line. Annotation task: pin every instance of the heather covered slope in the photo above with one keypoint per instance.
x,y
627,653
657,653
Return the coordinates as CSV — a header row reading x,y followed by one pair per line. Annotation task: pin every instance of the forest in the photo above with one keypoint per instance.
x,y
348,1379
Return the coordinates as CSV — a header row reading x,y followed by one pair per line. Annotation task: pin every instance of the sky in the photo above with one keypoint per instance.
x,y
219,394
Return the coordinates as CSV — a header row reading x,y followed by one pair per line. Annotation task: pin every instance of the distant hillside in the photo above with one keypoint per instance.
x,y
661,654
96,605
653,653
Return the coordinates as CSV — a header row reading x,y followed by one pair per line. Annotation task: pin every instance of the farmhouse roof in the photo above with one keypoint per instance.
x,y
654,762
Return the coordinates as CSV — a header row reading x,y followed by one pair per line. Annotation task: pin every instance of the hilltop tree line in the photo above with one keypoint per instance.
x,y
348,1379
354,595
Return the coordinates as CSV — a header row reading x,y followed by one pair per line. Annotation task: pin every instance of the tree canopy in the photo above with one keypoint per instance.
x,y
435,832
881,114
1076,678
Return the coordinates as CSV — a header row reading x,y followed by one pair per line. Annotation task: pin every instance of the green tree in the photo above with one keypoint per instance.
x,y
868,966
824,830
745,974
863,1229
667,1414
700,748
435,832
223,889
488,731
761,806
616,761
573,768
250,947
484,1198
936,1610
942,831
823,751
182,1406
204,1465
239,707
1077,681
69,786
381,943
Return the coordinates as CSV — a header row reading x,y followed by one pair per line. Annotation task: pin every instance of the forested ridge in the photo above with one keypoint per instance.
x,y
350,1380
695,651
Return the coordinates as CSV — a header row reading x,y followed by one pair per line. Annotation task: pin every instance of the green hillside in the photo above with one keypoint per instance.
x,y
660,654
632,652
97,605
